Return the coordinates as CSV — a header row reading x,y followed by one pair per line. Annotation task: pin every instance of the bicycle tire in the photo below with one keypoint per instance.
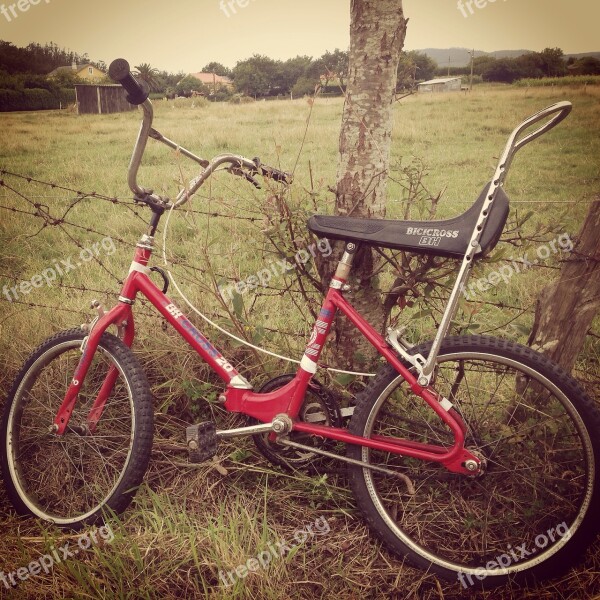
x,y
52,477
543,454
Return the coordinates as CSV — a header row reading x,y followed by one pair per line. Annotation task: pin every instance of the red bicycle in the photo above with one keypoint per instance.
x,y
474,457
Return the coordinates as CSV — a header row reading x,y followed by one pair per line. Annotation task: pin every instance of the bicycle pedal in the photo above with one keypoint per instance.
x,y
202,441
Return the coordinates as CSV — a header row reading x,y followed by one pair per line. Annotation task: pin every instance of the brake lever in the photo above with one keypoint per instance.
x,y
247,176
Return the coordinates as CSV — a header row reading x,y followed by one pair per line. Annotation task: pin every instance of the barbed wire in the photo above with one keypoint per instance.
x,y
59,217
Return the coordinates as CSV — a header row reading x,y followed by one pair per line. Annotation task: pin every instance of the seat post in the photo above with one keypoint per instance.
x,y
343,269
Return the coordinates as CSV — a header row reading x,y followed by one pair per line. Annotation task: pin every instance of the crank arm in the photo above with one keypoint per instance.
x,y
243,431
280,424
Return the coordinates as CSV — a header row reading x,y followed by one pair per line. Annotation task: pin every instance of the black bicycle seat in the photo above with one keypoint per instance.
x,y
449,237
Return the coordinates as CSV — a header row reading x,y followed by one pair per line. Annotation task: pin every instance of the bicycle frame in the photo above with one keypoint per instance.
x,y
287,401
238,395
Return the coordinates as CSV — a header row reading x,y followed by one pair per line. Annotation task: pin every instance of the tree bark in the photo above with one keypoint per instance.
x,y
377,32
565,309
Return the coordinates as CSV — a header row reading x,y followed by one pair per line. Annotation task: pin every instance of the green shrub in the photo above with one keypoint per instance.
x,y
39,99
10,100
240,99
35,99
66,96
222,95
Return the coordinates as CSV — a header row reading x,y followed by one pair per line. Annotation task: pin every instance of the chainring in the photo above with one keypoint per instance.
x,y
319,406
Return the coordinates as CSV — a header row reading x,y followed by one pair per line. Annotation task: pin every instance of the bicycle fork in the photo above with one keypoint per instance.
x,y
119,316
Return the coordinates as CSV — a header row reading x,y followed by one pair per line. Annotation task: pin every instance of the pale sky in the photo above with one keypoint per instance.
x,y
184,35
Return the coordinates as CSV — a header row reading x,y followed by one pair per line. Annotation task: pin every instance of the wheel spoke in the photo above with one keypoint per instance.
x,y
534,443
69,477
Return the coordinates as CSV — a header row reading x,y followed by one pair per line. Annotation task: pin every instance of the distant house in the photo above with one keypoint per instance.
x,y
212,80
86,72
449,84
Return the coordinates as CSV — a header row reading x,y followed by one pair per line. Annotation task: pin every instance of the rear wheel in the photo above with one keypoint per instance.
x,y
536,507
70,480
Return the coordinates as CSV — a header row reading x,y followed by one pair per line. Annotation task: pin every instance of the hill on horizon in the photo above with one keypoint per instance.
x,y
460,57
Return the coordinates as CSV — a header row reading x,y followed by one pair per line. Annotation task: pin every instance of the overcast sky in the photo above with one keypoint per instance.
x,y
184,35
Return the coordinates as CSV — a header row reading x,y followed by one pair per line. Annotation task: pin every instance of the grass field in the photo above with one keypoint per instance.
x,y
188,523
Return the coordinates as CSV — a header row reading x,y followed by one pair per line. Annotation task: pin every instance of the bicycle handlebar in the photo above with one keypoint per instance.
x,y
120,72
240,165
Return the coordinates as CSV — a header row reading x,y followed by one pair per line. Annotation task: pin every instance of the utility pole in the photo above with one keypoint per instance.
x,y
471,79
448,65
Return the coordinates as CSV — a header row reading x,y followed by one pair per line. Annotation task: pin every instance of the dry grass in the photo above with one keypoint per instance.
x,y
189,522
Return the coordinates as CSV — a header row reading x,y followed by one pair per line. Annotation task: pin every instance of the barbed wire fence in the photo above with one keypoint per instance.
x,y
48,205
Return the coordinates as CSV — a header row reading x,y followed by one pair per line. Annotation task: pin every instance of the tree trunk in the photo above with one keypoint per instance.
x,y
565,309
377,32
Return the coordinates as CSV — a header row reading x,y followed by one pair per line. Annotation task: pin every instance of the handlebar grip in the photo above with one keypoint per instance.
x,y
120,72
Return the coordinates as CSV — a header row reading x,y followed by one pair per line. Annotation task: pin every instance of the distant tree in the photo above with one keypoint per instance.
x,y
530,65
190,84
170,80
426,66
452,71
217,69
588,65
316,71
553,63
407,72
482,63
336,63
304,86
66,79
35,58
292,70
414,66
256,76
504,70
148,74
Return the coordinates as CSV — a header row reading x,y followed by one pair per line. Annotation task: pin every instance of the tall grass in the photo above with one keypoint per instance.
x,y
190,521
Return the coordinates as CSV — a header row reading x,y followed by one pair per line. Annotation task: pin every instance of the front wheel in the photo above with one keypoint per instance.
x,y
536,507
72,479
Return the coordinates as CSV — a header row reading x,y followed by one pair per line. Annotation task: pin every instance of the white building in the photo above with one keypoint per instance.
x,y
449,84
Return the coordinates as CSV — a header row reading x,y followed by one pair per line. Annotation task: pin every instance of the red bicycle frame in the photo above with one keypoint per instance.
x,y
287,401
238,394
